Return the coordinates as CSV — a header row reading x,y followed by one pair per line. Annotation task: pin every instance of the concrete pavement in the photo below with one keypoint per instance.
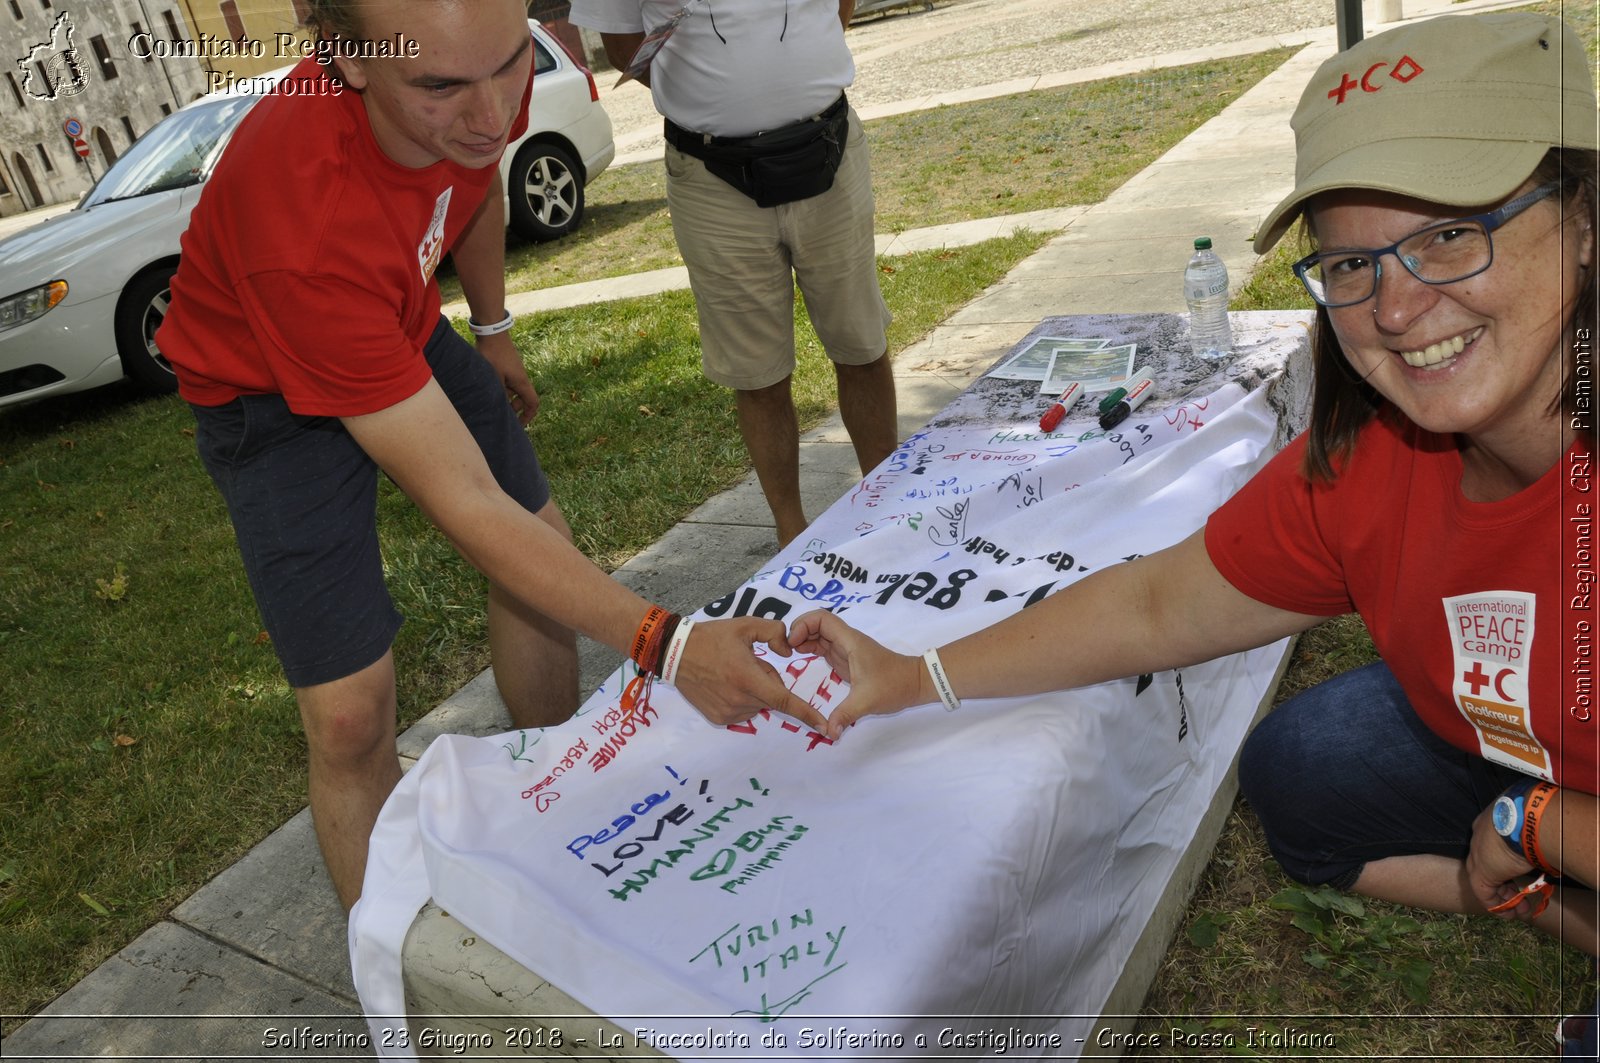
x,y
255,962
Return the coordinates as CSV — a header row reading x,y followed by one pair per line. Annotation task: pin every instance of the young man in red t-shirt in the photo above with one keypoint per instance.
x,y
305,332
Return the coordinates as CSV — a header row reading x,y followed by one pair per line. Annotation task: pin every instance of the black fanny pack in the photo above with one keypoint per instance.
x,y
794,162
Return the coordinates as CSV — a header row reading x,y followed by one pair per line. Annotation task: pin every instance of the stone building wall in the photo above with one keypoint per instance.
x,y
118,67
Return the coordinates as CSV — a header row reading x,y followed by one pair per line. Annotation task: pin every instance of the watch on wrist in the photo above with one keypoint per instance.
x,y
1509,809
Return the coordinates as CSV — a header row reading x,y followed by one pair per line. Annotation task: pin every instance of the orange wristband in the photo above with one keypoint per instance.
x,y
1538,800
645,638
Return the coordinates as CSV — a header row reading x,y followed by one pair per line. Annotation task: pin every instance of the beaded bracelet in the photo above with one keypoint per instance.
x,y
503,325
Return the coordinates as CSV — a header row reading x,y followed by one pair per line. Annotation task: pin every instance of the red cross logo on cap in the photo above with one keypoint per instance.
x,y
1403,71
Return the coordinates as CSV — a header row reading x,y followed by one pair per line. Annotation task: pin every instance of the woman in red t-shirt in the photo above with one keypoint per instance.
x,y
1446,175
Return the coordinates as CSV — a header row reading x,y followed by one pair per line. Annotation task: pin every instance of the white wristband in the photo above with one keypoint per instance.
x,y
503,325
674,655
941,682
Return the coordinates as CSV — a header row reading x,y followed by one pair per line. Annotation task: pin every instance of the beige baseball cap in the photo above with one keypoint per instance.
x,y
1457,110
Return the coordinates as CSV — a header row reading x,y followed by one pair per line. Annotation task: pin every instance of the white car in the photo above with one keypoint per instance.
x,y
567,144
82,294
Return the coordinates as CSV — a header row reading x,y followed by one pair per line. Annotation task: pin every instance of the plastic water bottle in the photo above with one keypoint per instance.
x,y
1205,288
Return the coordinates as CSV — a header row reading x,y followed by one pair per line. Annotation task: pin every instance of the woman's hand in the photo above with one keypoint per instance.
x,y
881,681
1493,869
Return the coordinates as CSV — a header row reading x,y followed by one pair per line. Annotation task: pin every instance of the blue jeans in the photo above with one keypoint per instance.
x,y
1585,1045
1345,773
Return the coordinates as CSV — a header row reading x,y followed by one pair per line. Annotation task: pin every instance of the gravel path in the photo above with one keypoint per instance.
x,y
966,43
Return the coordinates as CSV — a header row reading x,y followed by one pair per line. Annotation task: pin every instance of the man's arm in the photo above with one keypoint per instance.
x,y
620,49
480,260
847,11
422,444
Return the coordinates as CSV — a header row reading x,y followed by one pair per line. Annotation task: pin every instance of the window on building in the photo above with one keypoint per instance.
x,y
102,52
107,149
127,127
44,157
16,9
173,32
5,189
16,89
165,110
138,31
230,15
46,83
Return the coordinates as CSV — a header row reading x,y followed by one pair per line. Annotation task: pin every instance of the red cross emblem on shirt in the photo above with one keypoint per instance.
x,y
1477,679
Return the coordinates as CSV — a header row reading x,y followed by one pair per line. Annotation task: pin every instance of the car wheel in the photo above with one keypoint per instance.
x,y
140,311
546,192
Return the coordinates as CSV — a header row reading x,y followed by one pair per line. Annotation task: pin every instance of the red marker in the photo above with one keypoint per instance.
x,y
1059,408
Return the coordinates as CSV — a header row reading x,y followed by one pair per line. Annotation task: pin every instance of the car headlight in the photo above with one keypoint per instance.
x,y
23,307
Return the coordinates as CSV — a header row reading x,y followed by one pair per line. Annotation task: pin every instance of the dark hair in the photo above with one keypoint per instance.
x,y
1342,403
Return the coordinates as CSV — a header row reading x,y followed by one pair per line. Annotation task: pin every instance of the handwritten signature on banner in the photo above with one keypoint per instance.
x,y
626,723
1188,415
775,955
965,484
668,831
946,474
724,834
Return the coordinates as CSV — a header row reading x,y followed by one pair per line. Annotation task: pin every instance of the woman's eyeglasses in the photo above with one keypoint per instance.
x,y
1440,254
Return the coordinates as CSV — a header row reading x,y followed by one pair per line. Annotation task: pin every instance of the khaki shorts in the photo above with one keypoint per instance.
x,y
744,261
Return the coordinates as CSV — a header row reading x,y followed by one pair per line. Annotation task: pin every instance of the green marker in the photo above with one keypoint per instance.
x,y
1116,395
1112,397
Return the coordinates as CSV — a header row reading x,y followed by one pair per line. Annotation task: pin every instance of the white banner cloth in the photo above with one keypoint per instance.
x,y
933,883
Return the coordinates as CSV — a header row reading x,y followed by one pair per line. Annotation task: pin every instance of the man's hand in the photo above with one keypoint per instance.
x,y
881,681
506,360
722,678
1493,869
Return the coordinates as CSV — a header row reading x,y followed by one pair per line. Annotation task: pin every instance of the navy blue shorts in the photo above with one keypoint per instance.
x,y
303,499
1346,773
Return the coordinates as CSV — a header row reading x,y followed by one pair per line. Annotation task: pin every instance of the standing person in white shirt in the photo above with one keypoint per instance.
x,y
769,183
